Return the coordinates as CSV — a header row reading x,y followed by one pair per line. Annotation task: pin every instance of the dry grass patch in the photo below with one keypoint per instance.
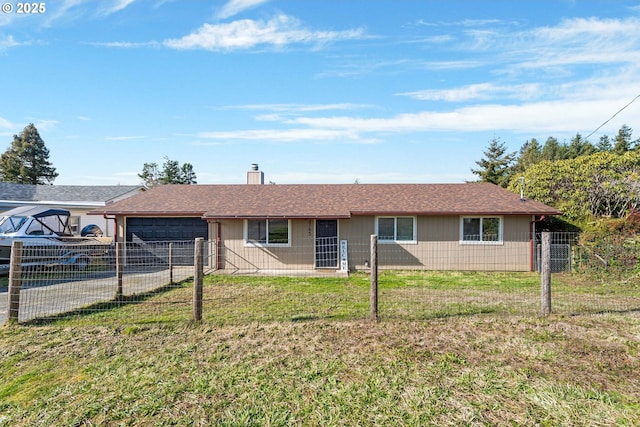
x,y
298,352
479,370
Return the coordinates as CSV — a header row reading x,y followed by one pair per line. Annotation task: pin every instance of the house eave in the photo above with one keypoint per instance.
x,y
146,213
451,213
223,217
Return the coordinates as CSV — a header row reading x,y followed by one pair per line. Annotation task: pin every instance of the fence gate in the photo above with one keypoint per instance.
x,y
560,255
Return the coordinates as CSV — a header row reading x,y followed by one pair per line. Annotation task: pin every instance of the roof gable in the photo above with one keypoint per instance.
x,y
325,201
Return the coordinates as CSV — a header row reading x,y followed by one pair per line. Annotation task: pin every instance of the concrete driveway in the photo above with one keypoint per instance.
x,y
49,298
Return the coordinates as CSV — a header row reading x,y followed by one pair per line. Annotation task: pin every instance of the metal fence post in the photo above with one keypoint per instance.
x,y
373,291
545,273
15,281
198,275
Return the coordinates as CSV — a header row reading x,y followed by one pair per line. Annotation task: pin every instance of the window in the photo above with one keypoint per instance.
x,y
396,229
267,231
11,224
74,224
481,229
36,228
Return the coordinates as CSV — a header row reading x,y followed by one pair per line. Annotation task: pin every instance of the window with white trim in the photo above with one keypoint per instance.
x,y
481,229
267,231
396,229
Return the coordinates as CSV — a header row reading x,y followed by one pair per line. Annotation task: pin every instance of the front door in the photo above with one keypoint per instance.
x,y
327,243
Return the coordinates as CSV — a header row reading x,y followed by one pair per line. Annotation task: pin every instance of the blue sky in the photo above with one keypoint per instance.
x,y
314,91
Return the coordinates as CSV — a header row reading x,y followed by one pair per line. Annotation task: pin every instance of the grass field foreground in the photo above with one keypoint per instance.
x,y
103,369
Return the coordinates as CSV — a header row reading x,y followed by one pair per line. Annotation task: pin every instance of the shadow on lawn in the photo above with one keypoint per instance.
x,y
103,306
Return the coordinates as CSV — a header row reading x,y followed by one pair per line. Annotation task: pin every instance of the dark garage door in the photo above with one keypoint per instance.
x,y
164,229
148,234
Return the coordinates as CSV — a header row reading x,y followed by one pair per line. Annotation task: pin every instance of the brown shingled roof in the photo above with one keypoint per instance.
x,y
325,201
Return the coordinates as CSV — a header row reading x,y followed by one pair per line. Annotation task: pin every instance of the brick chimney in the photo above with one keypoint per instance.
x,y
255,176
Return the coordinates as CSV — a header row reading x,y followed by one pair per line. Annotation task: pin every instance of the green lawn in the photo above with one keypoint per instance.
x,y
449,350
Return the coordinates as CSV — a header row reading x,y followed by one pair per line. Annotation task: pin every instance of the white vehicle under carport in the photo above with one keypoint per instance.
x,y
45,228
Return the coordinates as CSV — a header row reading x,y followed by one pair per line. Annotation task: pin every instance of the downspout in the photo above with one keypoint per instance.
x,y
532,230
218,245
115,226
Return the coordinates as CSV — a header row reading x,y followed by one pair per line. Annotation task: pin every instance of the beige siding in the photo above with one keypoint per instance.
x,y
106,225
357,232
239,256
438,247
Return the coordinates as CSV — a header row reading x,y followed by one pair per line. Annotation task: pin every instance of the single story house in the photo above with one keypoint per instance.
x,y
77,199
470,226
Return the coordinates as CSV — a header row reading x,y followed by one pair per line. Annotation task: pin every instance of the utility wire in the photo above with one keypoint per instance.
x,y
611,118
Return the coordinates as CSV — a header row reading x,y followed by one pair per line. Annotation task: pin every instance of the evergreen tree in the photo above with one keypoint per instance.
x,y
150,175
552,150
27,160
604,144
530,154
187,174
172,173
579,147
496,167
623,140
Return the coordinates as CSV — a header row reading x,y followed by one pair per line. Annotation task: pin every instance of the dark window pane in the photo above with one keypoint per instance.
x,y
490,229
471,229
386,228
257,231
405,228
278,231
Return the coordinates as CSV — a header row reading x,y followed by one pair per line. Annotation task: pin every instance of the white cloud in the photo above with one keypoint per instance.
x,y
558,110
64,11
124,138
479,91
550,70
462,23
556,50
288,135
528,101
125,45
71,10
6,18
115,6
295,108
233,7
280,31
573,42
584,29
548,116
349,66
4,123
45,124
10,42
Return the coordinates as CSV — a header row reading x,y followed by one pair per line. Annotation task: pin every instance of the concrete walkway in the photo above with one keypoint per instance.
x,y
55,297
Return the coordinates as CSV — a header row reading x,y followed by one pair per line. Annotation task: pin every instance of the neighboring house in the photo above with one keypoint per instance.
x,y
428,226
77,199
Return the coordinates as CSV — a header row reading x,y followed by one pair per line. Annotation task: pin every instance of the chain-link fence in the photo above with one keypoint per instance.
x,y
562,248
153,281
